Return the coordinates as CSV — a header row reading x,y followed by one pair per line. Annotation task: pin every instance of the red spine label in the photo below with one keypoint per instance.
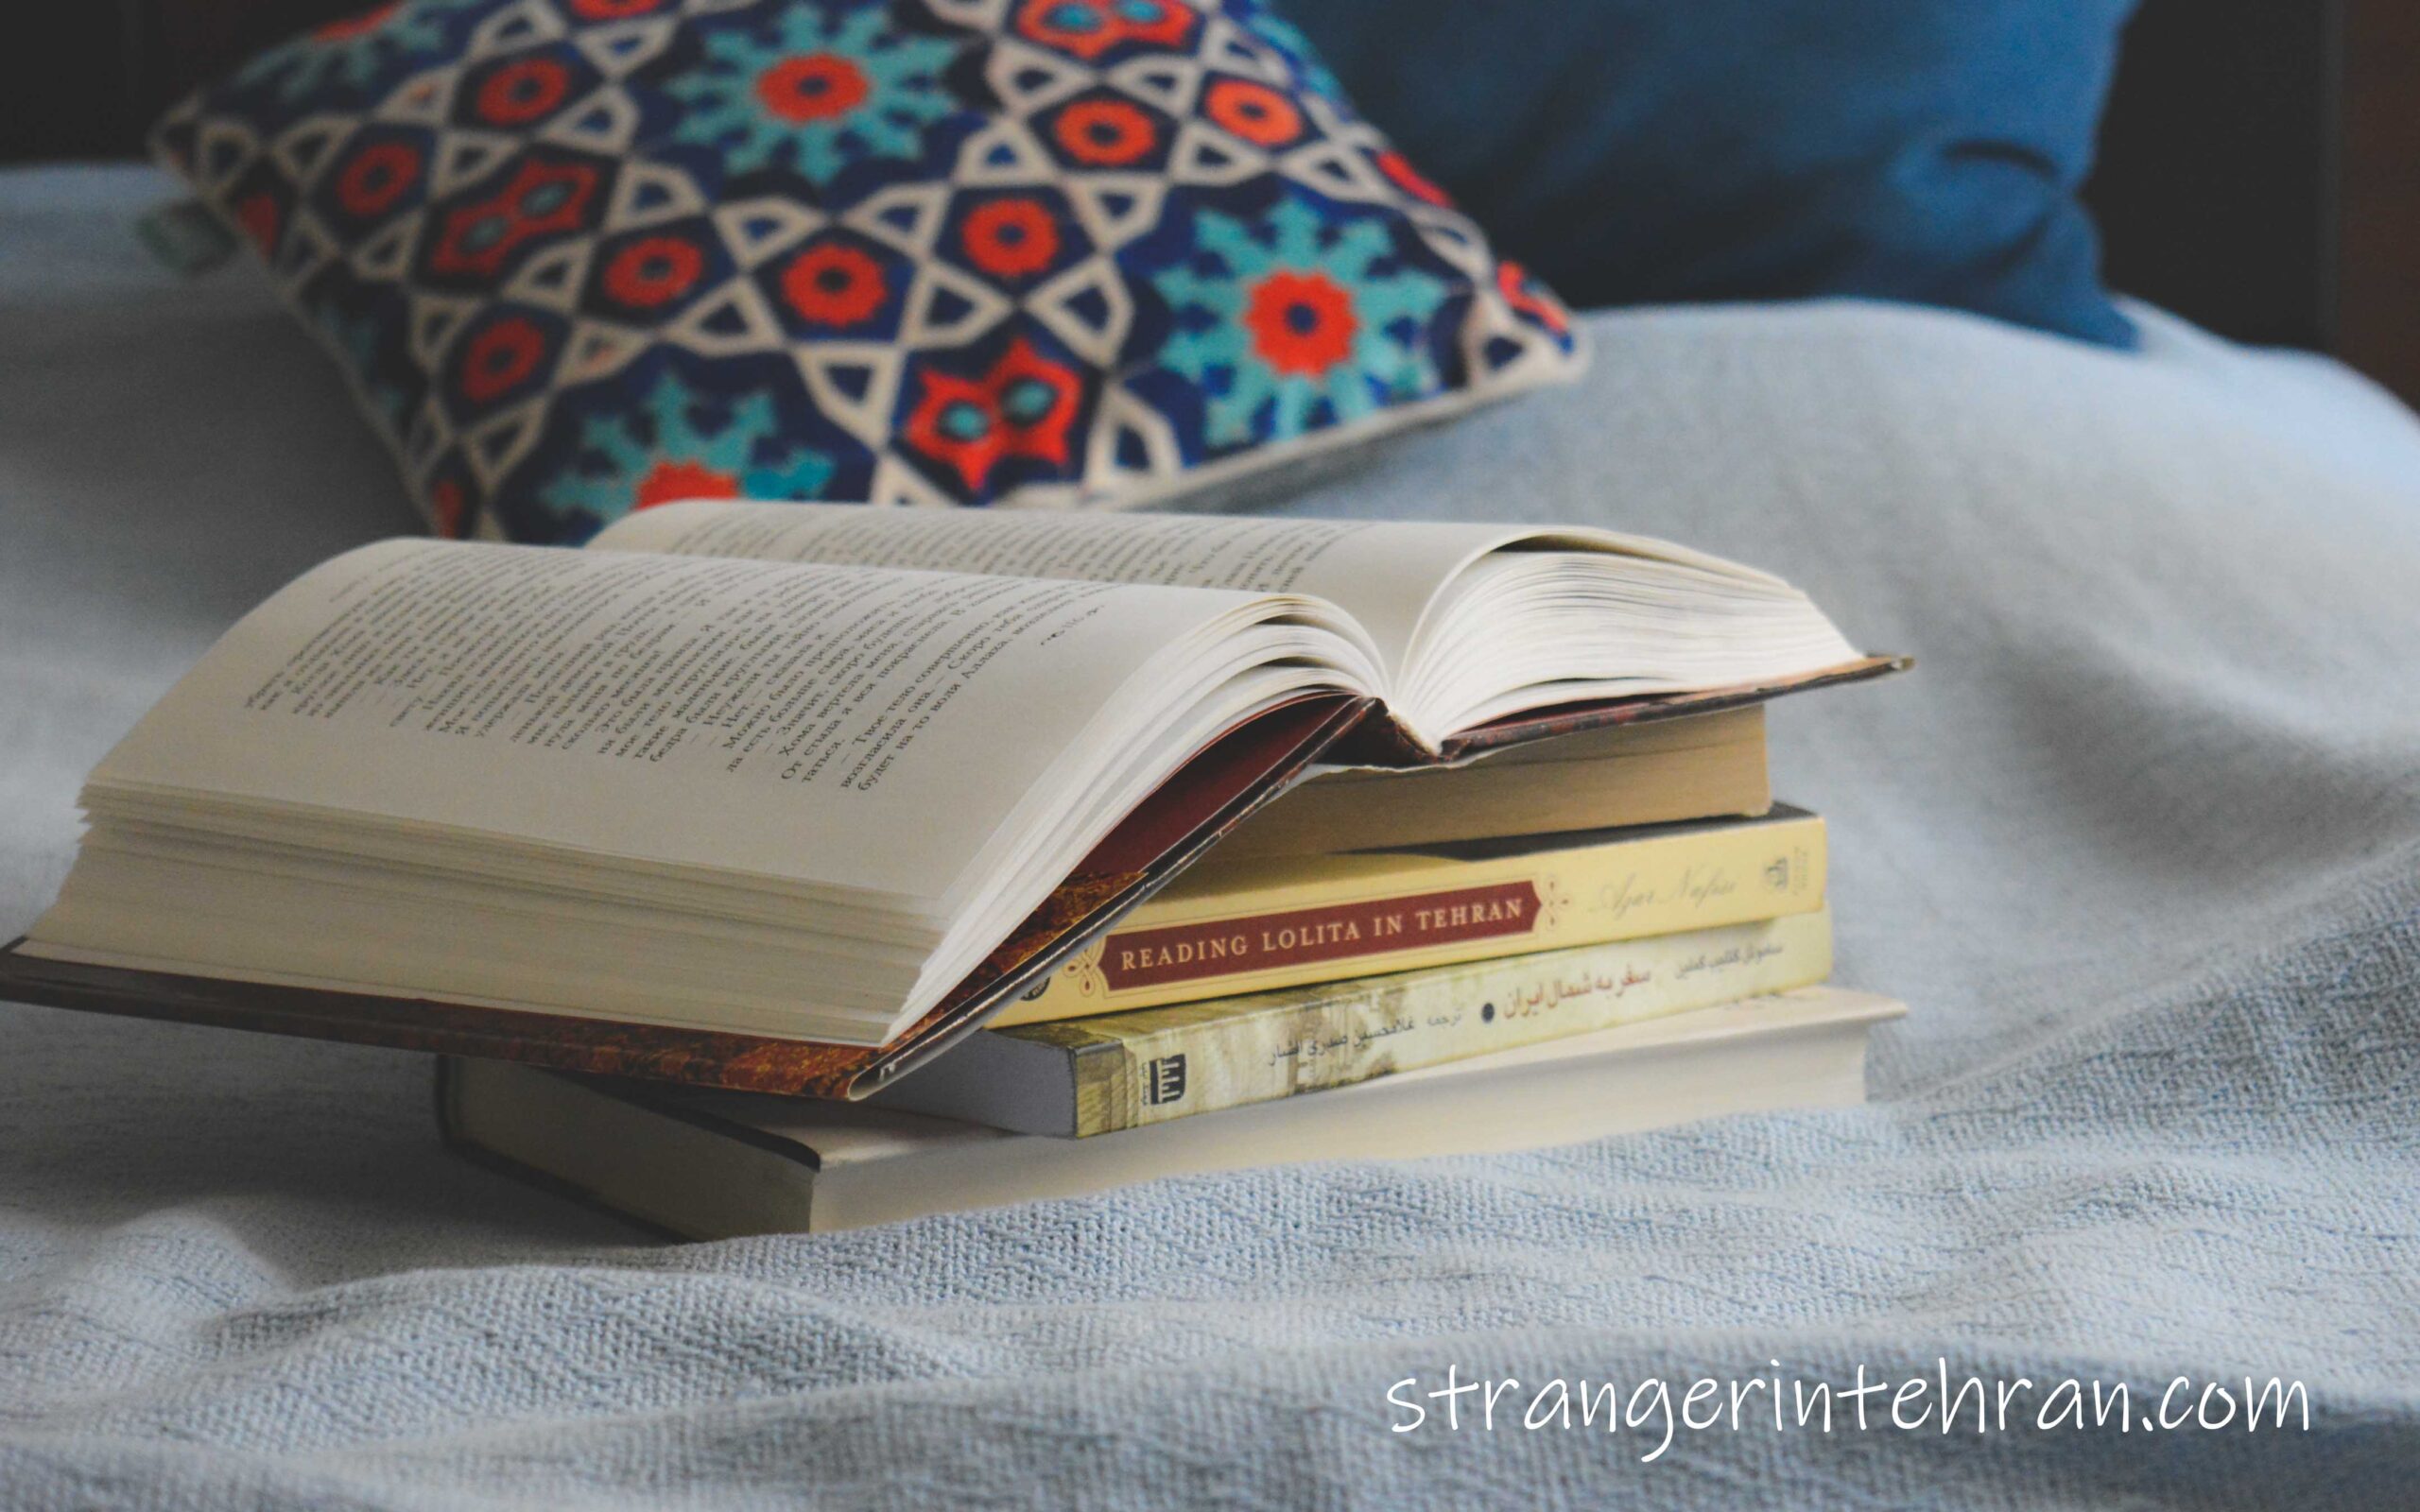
x,y
1260,942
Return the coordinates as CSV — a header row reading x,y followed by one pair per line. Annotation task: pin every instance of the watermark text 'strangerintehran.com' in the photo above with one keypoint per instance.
x,y
1653,1411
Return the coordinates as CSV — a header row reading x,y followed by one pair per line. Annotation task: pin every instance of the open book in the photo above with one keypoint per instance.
x,y
779,796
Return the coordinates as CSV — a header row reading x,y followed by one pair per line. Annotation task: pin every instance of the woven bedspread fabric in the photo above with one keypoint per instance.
x,y
2140,842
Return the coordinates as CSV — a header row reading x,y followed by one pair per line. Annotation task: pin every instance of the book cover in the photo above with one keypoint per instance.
x,y
1082,1077
1264,924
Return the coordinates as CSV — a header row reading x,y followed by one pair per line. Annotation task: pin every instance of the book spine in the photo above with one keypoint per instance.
x,y
1176,1062
1177,951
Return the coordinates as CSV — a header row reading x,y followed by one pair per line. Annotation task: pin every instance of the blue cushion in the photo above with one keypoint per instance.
x,y
1634,151
581,256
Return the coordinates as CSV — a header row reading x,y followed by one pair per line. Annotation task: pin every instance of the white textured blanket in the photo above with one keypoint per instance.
x,y
2140,841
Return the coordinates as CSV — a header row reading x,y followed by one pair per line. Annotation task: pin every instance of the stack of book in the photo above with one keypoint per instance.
x,y
1448,964
782,868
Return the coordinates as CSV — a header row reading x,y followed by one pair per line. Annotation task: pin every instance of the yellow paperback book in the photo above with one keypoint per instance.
x,y
1080,1077
1255,925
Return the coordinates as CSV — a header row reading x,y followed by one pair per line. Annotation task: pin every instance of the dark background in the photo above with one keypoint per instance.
x,y
2259,171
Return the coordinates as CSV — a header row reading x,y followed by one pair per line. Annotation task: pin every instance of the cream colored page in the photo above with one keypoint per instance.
x,y
836,726
1382,574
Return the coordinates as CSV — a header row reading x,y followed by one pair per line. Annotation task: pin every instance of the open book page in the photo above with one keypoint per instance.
x,y
1384,575
851,729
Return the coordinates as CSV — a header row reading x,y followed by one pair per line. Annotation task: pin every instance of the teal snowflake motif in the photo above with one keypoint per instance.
x,y
830,93
673,458
352,50
1297,318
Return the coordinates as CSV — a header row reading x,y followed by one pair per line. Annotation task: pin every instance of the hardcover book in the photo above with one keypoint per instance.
x,y
1096,1075
1660,772
787,797
709,1164
1228,926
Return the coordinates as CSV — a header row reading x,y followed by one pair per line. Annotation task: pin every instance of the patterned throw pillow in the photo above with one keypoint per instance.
x,y
581,256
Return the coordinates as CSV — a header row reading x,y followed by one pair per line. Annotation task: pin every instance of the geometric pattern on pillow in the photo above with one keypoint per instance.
x,y
583,256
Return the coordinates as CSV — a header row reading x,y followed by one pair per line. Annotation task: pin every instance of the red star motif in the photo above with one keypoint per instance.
x,y
1022,407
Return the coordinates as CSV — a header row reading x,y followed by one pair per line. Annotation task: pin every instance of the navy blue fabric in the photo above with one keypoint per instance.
x,y
1637,151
